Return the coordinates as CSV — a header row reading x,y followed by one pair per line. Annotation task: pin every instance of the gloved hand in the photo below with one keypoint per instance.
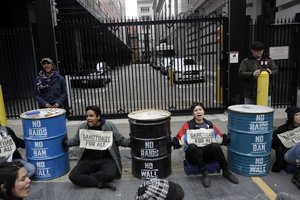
x,y
226,140
256,73
269,71
65,143
175,143
56,105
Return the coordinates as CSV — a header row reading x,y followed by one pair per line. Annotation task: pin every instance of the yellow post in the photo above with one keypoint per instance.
x,y
3,120
262,88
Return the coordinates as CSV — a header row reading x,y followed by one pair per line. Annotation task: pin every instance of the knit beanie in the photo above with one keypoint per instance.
x,y
291,111
159,189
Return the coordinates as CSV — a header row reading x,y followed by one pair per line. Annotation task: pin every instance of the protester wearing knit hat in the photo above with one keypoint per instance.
x,y
205,152
159,189
291,111
250,69
293,121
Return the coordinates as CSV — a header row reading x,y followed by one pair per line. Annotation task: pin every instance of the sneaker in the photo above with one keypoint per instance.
x,y
230,177
110,185
205,179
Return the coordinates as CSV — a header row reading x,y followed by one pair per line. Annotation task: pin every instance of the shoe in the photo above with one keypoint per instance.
x,y
230,177
205,179
110,185
276,167
296,181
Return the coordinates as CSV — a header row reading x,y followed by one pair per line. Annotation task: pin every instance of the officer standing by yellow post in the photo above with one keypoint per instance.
x,y
257,72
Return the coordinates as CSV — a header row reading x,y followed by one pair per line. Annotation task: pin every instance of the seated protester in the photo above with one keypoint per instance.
x,y
14,181
292,156
207,151
293,121
159,189
7,134
97,167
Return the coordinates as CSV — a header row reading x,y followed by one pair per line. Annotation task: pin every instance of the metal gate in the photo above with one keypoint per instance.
x,y
124,66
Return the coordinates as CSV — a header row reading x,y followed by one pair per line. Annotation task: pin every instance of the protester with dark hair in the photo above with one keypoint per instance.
x,y
14,181
99,159
51,90
293,121
251,67
203,152
8,136
159,189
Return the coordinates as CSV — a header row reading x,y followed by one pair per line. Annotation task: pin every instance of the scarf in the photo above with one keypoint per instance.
x,y
45,82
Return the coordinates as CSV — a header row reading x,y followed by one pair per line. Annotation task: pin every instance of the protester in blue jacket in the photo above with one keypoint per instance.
x,y
51,91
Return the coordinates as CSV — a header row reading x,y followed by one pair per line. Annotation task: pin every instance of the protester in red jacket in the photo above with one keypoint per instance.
x,y
204,149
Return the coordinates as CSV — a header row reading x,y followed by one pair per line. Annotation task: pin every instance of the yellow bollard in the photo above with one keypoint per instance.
x,y
3,120
262,88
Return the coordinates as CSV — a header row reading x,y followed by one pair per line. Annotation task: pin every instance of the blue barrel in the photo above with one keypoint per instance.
x,y
250,129
44,131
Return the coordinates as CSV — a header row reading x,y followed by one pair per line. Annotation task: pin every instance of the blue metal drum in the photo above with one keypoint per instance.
x,y
44,131
250,129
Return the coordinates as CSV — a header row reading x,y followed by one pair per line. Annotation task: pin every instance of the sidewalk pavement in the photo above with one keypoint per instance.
x,y
220,120
62,188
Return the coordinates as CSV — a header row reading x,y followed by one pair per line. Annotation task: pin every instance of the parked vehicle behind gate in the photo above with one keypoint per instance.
x,y
186,69
90,78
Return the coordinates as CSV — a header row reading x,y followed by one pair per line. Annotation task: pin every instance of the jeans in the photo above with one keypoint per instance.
x,y
292,156
31,169
253,101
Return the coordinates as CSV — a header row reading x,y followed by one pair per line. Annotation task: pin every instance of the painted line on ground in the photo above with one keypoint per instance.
x,y
264,187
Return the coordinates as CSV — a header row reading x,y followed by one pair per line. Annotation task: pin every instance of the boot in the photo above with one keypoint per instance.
x,y
230,177
296,178
275,167
205,179
279,163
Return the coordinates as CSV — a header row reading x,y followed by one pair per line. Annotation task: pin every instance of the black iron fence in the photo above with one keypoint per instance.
x,y
285,35
163,64
18,69
124,66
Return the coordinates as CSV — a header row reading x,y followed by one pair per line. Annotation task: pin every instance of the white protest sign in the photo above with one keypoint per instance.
x,y
201,137
97,140
290,138
7,147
